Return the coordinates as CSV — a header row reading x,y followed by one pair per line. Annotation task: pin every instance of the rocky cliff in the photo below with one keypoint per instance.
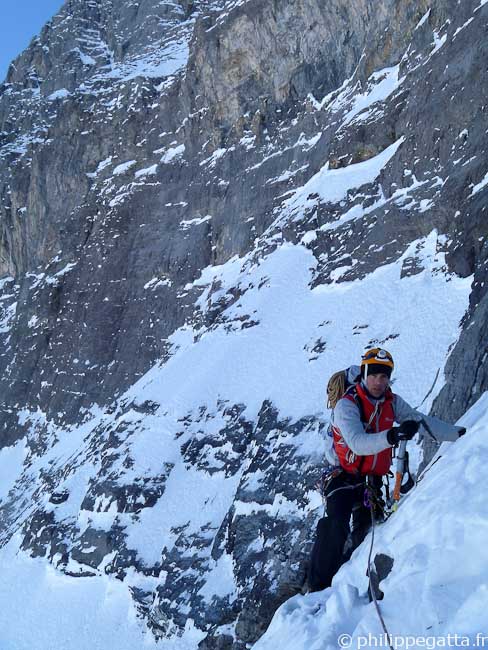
x,y
157,159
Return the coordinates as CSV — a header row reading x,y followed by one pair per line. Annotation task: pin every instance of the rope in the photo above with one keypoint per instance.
x,y
431,388
426,469
371,589
336,388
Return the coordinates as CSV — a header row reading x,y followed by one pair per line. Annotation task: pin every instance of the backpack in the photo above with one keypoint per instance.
x,y
337,385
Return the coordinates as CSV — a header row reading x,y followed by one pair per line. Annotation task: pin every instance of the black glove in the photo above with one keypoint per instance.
x,y
461,431
405,431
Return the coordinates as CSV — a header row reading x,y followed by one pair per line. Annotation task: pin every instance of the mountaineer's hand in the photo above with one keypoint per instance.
x,y
461,431
405,431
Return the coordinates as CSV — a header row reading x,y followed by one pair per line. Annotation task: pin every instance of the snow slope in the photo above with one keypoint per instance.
x,y
438,586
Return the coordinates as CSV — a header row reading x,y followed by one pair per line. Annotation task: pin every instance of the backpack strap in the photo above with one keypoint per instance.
x,y
354,393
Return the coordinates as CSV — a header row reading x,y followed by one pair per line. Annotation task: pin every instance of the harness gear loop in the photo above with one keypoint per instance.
x,y
324,481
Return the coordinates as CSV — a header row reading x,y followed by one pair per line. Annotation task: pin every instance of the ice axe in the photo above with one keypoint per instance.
x,y
402,469
402,466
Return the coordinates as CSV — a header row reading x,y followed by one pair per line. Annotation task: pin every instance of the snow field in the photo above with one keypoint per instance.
x,y
439,581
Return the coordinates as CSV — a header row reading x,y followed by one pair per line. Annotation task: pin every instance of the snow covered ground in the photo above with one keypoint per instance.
x,y
436,593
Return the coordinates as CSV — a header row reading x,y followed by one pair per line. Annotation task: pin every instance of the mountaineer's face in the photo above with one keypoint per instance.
x,y
377,384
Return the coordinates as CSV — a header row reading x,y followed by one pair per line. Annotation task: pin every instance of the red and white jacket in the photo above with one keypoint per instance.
x,y
360,424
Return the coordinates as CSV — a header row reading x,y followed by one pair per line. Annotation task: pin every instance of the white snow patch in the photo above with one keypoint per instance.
x,y
211,161
438,42
33,321
424,18
286,175
309,237
220,581
163,61
281,506
86,59
96,612
148,171
11,462
173,154
7,318
66,269
248,142
332,185
188,223
62,93
479,186
100,167
462,27
123,167
307,143
381,85
157,282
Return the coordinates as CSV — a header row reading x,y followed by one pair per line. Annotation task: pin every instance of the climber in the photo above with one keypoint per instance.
x,y
363,440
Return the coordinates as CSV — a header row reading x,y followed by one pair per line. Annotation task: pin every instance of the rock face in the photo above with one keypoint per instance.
x,y
143,142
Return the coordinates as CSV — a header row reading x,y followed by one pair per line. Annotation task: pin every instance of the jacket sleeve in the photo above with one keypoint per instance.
x,y
348,420
443,431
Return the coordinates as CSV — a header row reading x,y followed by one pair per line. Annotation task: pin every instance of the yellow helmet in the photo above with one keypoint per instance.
x,y
376,360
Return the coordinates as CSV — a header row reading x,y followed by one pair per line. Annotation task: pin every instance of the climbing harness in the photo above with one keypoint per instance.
x,y
373,500
323,482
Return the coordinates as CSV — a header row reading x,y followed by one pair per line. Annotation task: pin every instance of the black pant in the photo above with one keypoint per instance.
x,y
345,496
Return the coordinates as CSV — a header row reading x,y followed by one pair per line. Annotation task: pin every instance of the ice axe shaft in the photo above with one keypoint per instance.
x,y
400,469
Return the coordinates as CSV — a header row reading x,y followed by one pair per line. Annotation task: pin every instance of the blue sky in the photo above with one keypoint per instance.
x,y
20,21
